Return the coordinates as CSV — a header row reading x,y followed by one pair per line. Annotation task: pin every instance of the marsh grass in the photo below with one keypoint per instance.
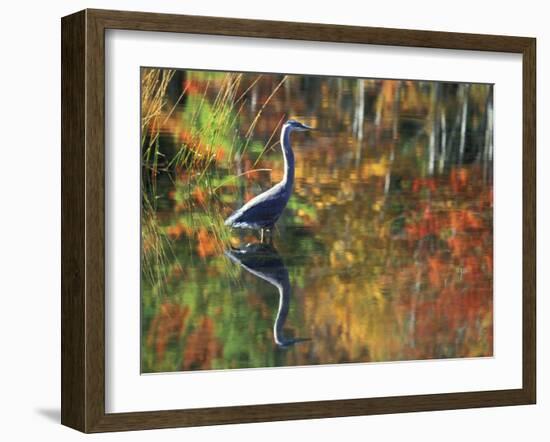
x,y
155,243
154,83
156,249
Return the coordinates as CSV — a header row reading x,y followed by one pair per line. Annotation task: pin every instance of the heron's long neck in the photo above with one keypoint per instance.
x,y
288,156
284,304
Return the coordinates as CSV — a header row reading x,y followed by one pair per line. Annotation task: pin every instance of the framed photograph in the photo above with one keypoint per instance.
x,y
267,221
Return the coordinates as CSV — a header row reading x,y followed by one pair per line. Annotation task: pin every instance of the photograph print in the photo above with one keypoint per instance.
x,y
296,220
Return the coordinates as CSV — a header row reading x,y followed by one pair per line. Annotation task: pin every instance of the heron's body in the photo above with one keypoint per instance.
x,y
263,211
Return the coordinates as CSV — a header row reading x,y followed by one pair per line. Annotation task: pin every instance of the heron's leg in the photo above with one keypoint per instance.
x,y
262,235
271,236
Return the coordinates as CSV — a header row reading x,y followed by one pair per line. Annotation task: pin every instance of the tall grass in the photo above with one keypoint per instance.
x,y
154,83
155,243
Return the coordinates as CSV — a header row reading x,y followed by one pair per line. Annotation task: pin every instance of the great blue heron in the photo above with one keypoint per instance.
x,y
263,261
263,211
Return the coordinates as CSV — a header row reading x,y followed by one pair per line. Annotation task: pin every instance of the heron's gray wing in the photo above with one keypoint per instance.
x,y
263,209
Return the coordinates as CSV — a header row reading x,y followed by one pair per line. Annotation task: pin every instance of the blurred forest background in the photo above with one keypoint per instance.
x,y
387,238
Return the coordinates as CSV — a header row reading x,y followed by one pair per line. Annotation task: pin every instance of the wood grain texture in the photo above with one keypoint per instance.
x,y
308,410
529,220
83,220
143,21
95,221
73,129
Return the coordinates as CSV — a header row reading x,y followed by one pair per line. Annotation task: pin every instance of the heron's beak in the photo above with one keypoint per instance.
x,y
306,127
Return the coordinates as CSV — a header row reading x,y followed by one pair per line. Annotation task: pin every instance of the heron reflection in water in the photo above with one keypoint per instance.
x,y
263,211
264,262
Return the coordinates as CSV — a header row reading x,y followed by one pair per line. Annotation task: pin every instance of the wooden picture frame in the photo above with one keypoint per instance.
x,y
83,220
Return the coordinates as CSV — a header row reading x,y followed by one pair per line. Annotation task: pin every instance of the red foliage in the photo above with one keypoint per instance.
x,y
460,276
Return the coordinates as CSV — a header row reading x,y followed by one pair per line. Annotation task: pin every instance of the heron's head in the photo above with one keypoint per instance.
x,y
297,126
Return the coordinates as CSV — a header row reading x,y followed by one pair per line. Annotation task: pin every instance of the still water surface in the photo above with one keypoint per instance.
x,y
384,252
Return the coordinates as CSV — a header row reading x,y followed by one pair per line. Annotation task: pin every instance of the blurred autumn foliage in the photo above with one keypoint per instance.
x,y
387,237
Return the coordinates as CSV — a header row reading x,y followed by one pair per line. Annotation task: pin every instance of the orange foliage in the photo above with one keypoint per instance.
x,y
193,87
199,195
202,346
219,153
206,245
176,231
187,138
459,179
168,324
